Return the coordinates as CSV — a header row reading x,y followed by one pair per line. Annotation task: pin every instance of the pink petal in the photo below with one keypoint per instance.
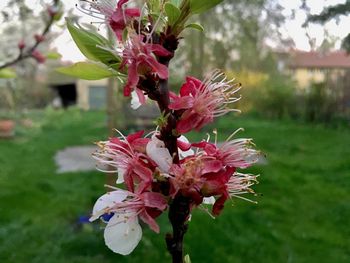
x,y
160,69
219,204
173,95
212,166
210,148
190,86
129,181
154,200
133,79
195,81
141,95
117,18
182,103
159,50
132,12
184,146
121,3
142,171
140,144
188,121
145,217
131,137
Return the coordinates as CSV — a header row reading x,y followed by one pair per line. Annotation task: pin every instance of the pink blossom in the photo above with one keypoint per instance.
x,y
237,185
237,153
113,13
123,232
38,56
145,205
128,156
189,176
199,102
140,57
225,181
121,17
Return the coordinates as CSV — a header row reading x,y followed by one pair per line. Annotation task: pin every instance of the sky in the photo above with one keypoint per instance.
x,y
292,28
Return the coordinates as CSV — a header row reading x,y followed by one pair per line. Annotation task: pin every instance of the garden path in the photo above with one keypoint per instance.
x,y
75,159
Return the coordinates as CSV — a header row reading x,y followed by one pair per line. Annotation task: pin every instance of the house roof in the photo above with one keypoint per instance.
x,y
313,59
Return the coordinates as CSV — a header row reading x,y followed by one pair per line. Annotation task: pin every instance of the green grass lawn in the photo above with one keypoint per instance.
x,y
302,216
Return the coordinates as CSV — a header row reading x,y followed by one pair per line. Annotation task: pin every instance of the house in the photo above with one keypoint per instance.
x,y
315,67
86,95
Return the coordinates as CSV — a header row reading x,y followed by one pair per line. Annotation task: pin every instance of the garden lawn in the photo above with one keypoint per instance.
x,y
302,216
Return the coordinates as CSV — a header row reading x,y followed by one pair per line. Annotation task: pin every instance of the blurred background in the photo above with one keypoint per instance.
x,y
291,58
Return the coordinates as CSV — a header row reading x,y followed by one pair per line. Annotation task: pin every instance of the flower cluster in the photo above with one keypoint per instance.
x,y
164,170
152,180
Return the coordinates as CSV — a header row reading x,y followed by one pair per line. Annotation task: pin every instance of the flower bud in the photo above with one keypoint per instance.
x,y
52,10
21,44
38,56
39,38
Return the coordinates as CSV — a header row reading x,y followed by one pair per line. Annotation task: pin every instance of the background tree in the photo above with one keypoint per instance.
x,y
234,38
333,12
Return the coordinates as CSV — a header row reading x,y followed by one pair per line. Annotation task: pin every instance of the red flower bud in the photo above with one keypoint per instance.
x,y
39,38
52,10
21,44
38,56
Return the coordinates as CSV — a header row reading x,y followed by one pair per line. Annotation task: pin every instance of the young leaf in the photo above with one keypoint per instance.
x,y
154,6
200,6
173,13
7,73
176,2
196,26
87,70
90,45
53,55
187,259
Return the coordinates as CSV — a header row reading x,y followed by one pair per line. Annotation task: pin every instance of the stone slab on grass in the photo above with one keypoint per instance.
x,y
75,159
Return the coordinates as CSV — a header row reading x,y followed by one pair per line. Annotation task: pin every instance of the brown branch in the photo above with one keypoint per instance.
x,y
28,52
178,215
179,209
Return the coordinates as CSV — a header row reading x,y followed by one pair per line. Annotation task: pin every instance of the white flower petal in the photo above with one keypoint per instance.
x,y
159,154
209,200
106,201
121,173
184,154
183,139
122,234
135,102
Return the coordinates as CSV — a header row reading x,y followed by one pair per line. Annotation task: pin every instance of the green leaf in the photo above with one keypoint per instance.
x,y
87,70
53,55
90,45
173,13
196,26
187,259
176,2
7,73
154,6
200,6
125,34
58,16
